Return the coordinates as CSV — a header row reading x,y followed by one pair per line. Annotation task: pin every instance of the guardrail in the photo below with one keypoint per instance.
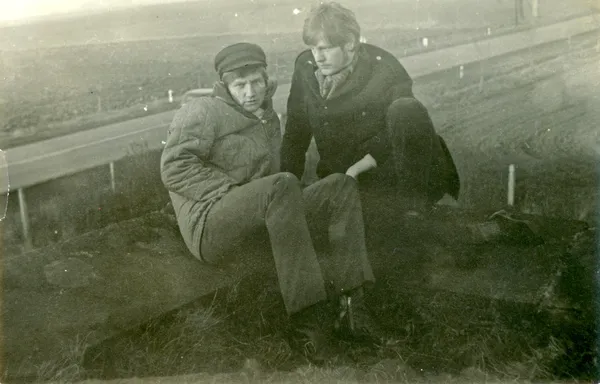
x,y
80,151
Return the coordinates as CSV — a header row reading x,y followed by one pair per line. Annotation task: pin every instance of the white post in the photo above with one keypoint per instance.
x,y
7,183
113,186
170,96
511,185
25,220
534,8
461,71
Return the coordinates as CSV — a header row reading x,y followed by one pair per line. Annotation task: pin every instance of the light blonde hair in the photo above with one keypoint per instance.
x,y
332,23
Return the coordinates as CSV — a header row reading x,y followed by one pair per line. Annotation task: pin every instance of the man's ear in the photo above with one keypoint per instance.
x,y
271,88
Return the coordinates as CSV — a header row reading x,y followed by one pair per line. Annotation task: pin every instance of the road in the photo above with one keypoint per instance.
x,y
496,125
30,164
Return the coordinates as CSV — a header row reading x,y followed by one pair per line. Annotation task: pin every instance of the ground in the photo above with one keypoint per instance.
x,y
437,330
541,117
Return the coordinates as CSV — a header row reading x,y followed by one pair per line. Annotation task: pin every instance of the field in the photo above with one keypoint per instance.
x,y
542,118
237,334
60,77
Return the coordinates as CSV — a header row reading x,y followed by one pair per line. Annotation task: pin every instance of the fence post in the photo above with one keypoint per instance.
x,y
25,220
511,185
113,186
534,8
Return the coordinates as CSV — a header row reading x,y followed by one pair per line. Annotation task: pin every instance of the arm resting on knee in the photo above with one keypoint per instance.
x,y
363,165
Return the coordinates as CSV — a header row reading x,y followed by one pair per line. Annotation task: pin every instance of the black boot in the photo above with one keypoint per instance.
x,y
355,321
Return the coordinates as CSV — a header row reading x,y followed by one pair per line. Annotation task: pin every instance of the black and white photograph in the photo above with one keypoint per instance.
x,y
299,191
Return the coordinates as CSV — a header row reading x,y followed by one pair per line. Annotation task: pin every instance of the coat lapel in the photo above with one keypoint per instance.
x,y
355,82
311,78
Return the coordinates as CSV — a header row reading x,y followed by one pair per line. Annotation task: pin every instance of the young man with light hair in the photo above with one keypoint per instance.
x,y
220,166
356,100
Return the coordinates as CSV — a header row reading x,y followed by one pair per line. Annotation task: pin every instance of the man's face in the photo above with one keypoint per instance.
x,y
249,91
330,59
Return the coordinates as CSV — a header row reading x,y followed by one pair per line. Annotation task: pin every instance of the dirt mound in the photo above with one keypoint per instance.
x,y
93,290
64,298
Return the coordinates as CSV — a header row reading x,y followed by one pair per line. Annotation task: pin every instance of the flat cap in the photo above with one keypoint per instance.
x,y
239,55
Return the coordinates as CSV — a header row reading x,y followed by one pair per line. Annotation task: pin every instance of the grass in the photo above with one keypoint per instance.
x,y
34,133
495,124
54,216
435,336
68,366
236,334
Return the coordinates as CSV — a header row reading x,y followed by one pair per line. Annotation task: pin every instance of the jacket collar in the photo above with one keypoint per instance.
x,y
221,92
360,75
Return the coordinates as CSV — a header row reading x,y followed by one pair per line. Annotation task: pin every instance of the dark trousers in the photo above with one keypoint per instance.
x,y
293,217
420,168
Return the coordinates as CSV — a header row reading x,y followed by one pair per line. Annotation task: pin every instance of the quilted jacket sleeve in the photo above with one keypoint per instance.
x,y
185,162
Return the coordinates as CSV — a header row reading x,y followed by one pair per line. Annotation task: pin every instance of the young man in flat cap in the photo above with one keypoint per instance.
x,y
220,165
356,100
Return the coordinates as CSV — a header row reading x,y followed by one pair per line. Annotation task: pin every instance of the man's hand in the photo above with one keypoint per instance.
x,y
363,165
352,173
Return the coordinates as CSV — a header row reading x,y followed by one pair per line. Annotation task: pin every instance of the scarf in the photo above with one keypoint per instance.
x,y
328,84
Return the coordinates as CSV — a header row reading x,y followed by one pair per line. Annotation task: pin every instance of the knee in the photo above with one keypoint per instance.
x,y
407,109
408,112
285,180
406,104
342,183
340,179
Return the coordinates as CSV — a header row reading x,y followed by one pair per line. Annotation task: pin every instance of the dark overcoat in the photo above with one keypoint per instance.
x,y
352,121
